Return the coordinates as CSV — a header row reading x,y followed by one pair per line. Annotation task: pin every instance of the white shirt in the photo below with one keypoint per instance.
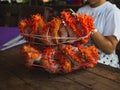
x,y
107,21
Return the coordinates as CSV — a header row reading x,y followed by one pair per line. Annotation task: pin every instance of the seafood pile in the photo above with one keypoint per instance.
x,y
59,46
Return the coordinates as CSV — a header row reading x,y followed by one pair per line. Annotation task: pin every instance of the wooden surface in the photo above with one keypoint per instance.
x,y
14,75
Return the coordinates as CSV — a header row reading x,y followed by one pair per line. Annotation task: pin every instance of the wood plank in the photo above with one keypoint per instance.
x,y
37,79
41,80
98,78
9,81
93,81
106,72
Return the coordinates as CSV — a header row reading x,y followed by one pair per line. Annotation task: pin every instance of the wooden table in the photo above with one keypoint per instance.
x,y
14,75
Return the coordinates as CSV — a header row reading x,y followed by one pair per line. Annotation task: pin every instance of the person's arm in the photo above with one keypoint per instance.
x,y
105,43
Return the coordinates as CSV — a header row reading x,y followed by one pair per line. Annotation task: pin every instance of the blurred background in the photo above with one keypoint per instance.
x,y
11,11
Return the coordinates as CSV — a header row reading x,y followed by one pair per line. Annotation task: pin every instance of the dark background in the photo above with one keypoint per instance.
x,y
11,13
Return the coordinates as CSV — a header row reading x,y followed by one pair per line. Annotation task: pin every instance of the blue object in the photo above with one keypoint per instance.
x,y
69,1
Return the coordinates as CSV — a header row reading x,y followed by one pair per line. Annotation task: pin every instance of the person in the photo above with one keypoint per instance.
x,y
106,36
